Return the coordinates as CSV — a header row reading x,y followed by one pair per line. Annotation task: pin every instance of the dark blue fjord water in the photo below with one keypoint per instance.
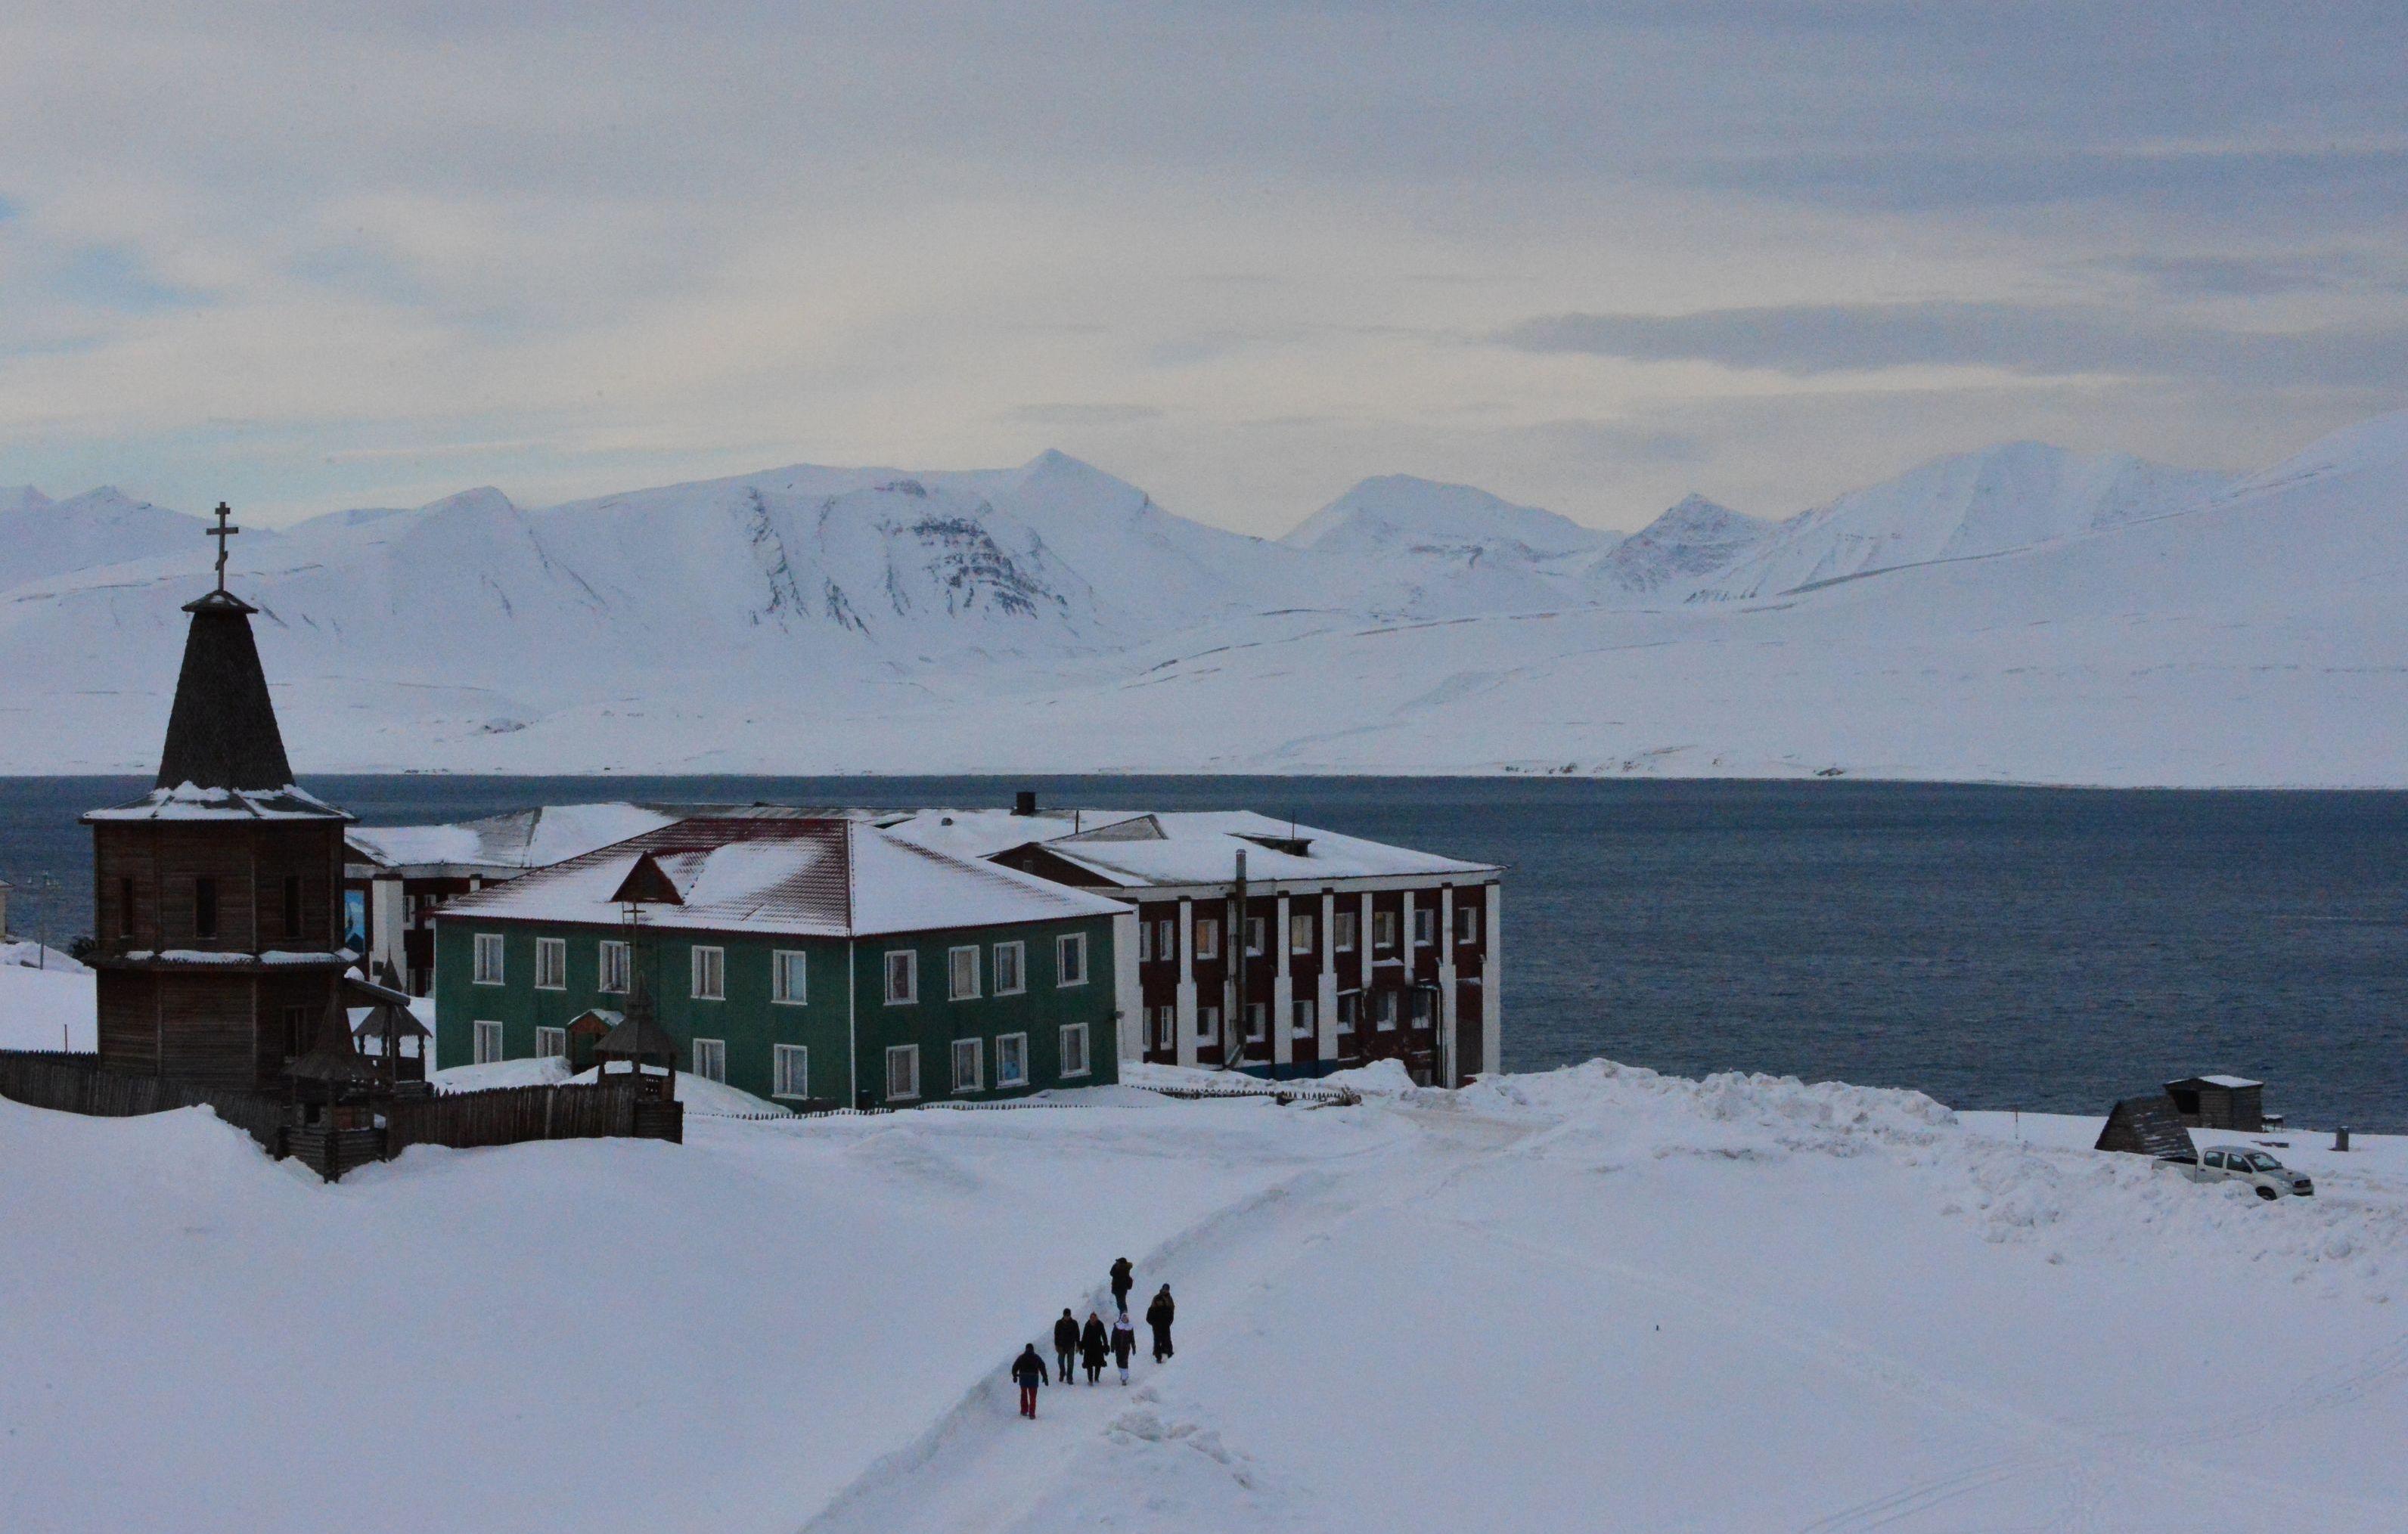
x,y
1997,947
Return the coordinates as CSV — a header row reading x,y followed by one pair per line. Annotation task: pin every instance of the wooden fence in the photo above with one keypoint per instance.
x,y
76,1084
508,1115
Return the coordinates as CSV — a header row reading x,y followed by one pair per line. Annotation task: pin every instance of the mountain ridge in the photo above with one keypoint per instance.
x,y
1051,617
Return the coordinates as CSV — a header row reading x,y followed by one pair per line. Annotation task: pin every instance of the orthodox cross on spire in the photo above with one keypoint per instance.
x,y
221,533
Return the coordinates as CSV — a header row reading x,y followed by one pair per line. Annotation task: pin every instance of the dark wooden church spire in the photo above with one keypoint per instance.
x,y
221,732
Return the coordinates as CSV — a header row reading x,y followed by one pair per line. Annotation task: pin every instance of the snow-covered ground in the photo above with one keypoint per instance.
x,y
1592,1299
44,1008
2022,613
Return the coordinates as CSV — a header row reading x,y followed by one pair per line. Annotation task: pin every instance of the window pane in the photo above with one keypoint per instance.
x,y
1299,934
902,977
964,963
1008,959
967,1062
1011,1061
1074,1050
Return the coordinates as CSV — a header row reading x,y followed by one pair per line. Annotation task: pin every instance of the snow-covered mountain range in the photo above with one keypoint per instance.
x,y
2022,612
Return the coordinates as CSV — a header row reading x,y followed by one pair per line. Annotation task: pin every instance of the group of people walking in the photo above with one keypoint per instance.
x,y
1092,1343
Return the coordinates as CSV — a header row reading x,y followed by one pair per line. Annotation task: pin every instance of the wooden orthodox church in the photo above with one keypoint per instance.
x,y
215,896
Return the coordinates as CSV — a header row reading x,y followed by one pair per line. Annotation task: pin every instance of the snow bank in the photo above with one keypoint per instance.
x,y
45,1008
1590,1298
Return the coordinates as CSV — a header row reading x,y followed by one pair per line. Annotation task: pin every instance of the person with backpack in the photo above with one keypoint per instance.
x,y
1123,1342
1028,1372
1066,1341
1124,1280
1158,1315
1092,1343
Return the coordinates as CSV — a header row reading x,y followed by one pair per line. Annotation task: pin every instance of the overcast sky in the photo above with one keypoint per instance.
x,y
1585,256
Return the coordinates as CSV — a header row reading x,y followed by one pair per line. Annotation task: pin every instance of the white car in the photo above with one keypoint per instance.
x,y
2240,1163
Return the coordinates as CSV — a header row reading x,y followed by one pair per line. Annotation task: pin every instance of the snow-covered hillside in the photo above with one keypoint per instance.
x,y
2015,496
1693,540
2022,613
42,537
1594,1299
1413,547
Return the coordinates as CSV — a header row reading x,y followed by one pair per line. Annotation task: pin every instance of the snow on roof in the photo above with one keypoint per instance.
x,y
1137,848
824,877
2229,1081
522,839
189,802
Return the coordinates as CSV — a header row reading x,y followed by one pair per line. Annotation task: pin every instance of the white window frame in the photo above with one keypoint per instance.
x,y
708,967
1144,941
1010,959
1343,934
1467,924
1076,1032
1208,1024
1258,1021
954,990
490,944
550,1044
1208,937
551,963
485,1044
790,977
1421,1007
1065,946
1258,936
1164,1031
614,965
1384,930
1383,1012
710,1059
908,971
1012,1059
1299,932
973,1051
1165,938
908,1057
1425,926
1302,1018
790,1070
1350,1006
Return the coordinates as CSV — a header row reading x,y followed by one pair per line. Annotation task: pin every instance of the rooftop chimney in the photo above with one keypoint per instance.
x,y
1024,803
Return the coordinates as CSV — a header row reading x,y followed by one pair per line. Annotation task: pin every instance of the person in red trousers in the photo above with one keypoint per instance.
x,y
1028,1372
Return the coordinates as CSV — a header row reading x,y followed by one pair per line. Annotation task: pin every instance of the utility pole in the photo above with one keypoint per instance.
x,y
44,886
1234,1018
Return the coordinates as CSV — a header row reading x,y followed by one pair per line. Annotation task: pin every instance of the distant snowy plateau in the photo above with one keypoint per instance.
x,y
2022,613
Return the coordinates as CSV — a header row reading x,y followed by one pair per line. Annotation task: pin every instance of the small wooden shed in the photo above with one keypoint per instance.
x,y
2144,1126
2219,1102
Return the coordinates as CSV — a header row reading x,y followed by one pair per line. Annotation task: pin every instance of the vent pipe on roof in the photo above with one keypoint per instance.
x,y
1024,803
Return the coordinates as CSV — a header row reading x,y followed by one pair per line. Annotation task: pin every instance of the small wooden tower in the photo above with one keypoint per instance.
x,y
215,894
637,1043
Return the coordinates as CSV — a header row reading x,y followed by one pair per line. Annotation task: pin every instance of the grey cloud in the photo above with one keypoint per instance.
x,y
2250,276
1069,414
2045,340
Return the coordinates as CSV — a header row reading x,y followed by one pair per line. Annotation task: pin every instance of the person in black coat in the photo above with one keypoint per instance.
x,y
1028,1372
1124,1280
1066,1341
1092,1343
1158,1315
1123,1343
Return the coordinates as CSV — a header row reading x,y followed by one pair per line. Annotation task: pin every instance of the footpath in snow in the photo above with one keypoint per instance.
x,y
1594,1298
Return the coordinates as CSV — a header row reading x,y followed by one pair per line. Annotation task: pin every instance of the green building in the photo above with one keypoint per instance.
x,y
814,961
